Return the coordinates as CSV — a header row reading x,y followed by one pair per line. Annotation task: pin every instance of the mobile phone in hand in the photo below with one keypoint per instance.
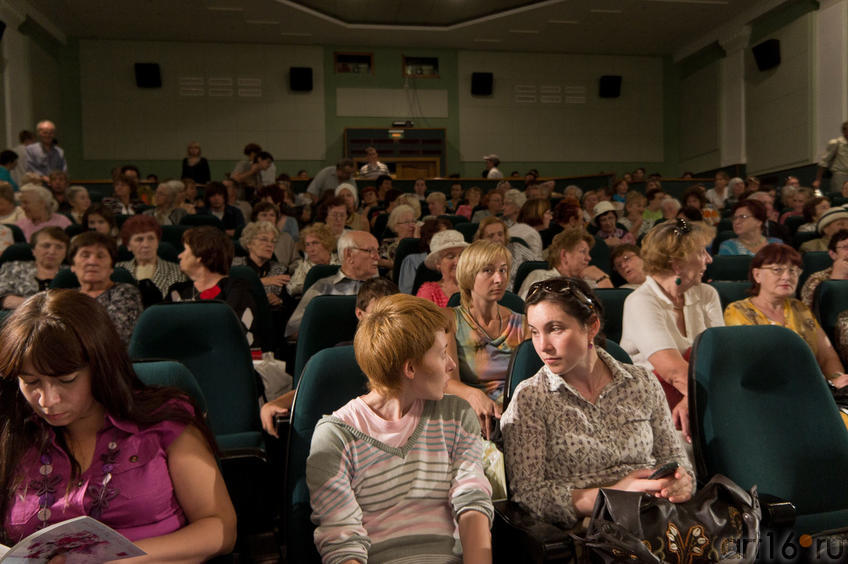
x,y
665,470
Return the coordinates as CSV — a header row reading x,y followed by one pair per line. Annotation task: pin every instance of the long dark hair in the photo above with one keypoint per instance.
x,y
60,332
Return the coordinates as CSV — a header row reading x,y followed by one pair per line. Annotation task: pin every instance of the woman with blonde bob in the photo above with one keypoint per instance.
x,y
398,472
664,315
486,332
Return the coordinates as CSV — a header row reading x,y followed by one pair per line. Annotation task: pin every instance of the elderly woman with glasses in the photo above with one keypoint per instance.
x,y
585,421
749,216
664,315
259,239
774,277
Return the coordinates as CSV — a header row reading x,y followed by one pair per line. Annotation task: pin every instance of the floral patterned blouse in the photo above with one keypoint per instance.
x,y
798,318
555,441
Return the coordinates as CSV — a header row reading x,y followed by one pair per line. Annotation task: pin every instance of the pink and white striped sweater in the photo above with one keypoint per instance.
x,y
378,503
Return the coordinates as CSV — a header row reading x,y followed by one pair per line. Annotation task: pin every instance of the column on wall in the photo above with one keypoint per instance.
x,y
830,96
17,83
732,96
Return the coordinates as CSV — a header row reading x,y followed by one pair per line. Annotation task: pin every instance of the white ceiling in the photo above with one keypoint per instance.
x,y
637,27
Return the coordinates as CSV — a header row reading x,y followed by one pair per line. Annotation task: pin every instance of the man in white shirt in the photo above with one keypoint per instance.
x,y
373,168
718,194
44,157
492,162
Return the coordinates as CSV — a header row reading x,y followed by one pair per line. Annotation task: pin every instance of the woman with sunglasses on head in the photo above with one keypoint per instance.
x,y
664,315
774,277
585,421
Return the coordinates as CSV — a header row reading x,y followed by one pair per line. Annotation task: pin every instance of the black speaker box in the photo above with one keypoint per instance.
x,y
300,79
767,54
481,83
609,86
147,75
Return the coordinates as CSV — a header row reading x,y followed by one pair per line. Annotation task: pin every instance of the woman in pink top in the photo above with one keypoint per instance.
x,y
84,436
445,248
39,208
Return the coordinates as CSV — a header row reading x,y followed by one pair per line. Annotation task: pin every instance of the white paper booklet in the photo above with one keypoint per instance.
x,y
80,540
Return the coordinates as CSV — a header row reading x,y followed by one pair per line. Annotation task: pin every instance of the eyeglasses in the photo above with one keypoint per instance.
x,y
794,271
740,217
337,214
266,240
559,286
682,227
372,252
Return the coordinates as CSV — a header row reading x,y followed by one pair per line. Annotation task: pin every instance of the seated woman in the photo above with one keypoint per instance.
x,y
86,437
206,259
319,246
277,196
633,220
605,220
80,201
569,255
141,234
355,220
837,249
215,199
403,224
627,261
748,216
812,212
486,332
166,199
445,249
92,256
495,229
584,421
20,279
663,316
285,251
774,277
259,239
39,208
124,200
101,219
397,473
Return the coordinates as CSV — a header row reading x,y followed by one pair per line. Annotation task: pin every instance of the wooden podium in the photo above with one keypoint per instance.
x,y
408,152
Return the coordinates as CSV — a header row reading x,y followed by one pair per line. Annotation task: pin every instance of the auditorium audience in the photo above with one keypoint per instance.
x,y
195,166
101,219
627,262
10,212
748,217
124,200
259,239
80,201
167,209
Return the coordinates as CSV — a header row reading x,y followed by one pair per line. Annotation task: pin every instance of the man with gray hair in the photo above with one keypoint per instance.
x,y
359,253
45,157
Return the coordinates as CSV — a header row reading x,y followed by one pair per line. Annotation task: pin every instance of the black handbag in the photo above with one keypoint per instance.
x,y
720,523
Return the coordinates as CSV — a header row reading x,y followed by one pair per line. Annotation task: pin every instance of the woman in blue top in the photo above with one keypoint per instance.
x,y
749,216
8,161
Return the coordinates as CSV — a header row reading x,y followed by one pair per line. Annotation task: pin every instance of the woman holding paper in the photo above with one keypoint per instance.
x,y
82,435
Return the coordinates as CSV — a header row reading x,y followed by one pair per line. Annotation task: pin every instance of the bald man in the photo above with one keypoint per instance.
x,y
44,156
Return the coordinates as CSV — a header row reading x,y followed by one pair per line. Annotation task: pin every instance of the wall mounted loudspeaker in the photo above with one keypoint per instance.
x,y
300,79
147,75
767,54
481,83
610,86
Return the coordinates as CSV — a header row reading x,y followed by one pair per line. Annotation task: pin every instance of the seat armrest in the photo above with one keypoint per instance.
x,y
242,454
778,513
520,537
281,424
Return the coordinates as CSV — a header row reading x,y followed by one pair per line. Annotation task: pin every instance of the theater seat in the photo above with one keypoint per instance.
x,y
762,414
327,321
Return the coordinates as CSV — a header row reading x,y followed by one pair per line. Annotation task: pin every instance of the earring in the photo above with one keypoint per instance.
x,y
678,281
591,345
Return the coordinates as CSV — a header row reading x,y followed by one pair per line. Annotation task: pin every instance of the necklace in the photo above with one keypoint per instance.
x,y
483,330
